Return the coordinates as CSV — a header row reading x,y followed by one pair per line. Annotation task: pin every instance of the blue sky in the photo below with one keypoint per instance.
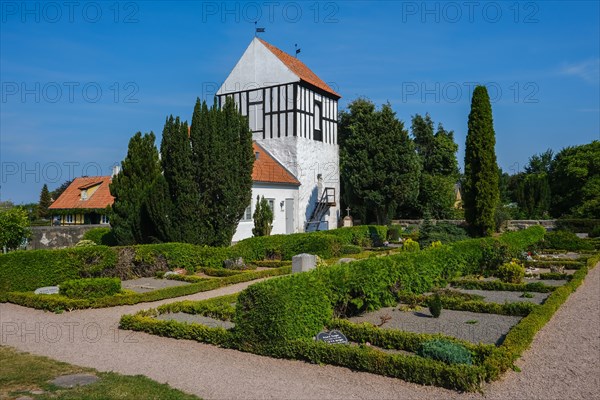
x,y
79,79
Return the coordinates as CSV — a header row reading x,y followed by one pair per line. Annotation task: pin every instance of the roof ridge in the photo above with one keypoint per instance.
x,y
299,68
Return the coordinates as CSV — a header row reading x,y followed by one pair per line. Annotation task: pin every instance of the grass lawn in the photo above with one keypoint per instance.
x,y
21,373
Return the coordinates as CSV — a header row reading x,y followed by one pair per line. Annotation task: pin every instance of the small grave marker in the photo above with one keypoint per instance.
x,y
303,262
47,290
332,337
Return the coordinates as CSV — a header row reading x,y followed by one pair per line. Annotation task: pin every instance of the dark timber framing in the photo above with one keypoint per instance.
x,y
283,116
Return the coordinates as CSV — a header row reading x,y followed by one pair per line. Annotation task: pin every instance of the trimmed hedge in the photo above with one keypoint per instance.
x,y
90,288
568,264
565,240
58,303
284,247
502,286
31,269
280,310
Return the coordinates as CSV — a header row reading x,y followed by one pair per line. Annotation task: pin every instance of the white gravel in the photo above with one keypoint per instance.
x,y
563,363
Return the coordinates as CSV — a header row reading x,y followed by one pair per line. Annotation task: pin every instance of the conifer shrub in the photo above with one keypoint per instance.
x,y
435,305
446,351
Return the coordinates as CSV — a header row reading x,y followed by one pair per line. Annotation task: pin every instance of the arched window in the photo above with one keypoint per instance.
x,y
318,133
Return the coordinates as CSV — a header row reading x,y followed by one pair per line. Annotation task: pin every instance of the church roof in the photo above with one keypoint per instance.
x,y
268,170
71,197
299,68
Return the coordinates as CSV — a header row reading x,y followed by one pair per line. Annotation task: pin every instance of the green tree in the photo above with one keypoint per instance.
x,y
59,190
379,167
263,217
184,195
480,187
45,201
14,228
575,181
222,159
437,152
140,169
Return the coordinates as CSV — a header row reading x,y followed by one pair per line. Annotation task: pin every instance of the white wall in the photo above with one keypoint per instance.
x,y
258,67
307,158
277,192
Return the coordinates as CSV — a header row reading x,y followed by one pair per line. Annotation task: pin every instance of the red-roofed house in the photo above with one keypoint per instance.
x,y
85,201
293,116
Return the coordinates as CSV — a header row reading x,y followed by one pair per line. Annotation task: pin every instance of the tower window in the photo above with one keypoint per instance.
x,y
318,133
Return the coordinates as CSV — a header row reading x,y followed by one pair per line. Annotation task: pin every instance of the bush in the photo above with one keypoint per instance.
x,y
410,245
445,351
595,232
511,272
362,235
578,225
285,247
90,288
435,305
280,310
444,232
351,249
565,240
101,236
393,233
494,254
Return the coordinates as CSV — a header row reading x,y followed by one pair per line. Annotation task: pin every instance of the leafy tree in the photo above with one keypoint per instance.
x,y
533,195
45,201
437,152
480,187
14,228
55,194
575,181
263,218
540,163
140,170
379,167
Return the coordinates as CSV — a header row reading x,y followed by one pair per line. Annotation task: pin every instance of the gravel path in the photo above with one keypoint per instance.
x,y
89,338
469,326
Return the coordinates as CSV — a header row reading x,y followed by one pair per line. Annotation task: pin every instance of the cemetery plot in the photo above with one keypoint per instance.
x,y
468,326
144,285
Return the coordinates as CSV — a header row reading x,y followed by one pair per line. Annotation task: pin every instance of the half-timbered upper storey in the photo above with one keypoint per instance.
x,y
281,96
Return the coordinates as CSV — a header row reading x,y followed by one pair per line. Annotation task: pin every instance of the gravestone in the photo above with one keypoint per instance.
x,y
332,337
70,381
303,262
47,290
234,263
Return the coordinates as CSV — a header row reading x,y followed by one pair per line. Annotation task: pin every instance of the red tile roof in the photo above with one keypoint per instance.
x,y
268,170
299,68
71,197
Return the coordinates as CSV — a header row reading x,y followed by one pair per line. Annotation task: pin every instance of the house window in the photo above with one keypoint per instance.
x,y
69,218
104,219
318,134
84,194
247,213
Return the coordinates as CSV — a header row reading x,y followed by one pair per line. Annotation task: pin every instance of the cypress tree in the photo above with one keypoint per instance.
x,y
178,170
45,201
263,218
222,159
139,171
481,193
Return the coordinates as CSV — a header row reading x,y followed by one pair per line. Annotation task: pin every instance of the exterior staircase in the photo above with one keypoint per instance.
x,y
326,201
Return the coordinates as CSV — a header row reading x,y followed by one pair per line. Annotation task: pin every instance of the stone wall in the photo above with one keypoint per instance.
x,y
57,237
512,225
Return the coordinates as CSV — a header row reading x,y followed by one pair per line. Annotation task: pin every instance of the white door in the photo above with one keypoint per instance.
x,y
289,216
